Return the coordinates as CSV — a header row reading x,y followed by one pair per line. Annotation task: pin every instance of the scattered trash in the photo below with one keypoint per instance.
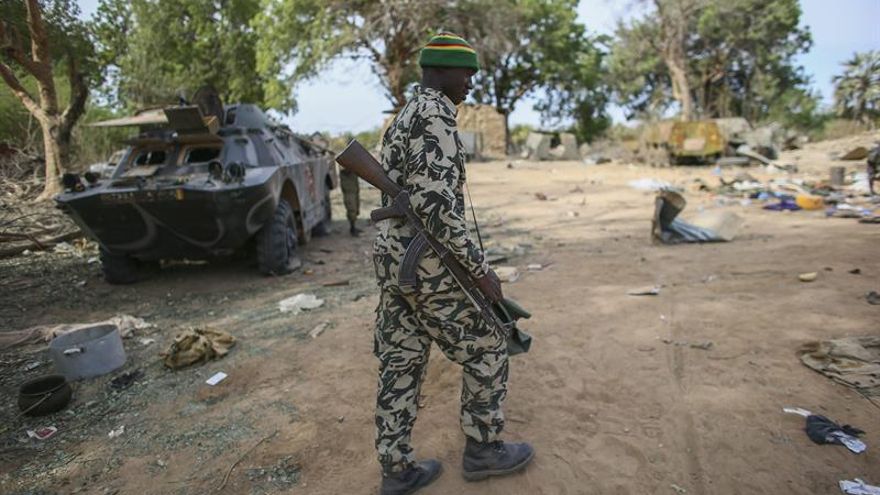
x,y
796,410
117,432
809,202
808,277
645,291
710,226
873,297
336,283
197,345
33,365
340,419
822,430
851,361
296,304
144,341
704,345
677,488
43,433
647,184
126,324
126,380
507,274
318,330
535,267
856,271
784,204
216,378
44,395
857,153
88,351
858,487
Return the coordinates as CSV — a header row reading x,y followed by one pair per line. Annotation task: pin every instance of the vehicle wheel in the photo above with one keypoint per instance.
x,y
118,269
323,228
276,243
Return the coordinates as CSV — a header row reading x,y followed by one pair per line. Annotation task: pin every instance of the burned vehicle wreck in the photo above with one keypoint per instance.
x,y
202,182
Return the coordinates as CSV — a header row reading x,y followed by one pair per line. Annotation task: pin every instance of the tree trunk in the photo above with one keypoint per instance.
x,y
55,156
681,89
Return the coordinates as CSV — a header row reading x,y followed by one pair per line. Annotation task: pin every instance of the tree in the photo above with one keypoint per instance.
x,y
528,45
155,49
740,60
309,34
56,37
675,17
857,89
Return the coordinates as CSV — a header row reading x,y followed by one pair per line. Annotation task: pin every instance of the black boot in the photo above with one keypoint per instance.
x,y
411,479
354,231
482,460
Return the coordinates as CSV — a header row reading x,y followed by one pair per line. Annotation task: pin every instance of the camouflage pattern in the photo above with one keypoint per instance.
x,y
421,151
406,326
351,197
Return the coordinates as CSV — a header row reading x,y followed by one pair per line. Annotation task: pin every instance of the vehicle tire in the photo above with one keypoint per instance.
x,y
276,242
323,227
118,269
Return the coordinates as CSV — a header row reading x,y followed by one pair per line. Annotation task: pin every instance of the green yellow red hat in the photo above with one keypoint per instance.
x,y
448,50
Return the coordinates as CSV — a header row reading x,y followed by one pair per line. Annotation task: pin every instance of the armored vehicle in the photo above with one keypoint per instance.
x,y
204,181
695,142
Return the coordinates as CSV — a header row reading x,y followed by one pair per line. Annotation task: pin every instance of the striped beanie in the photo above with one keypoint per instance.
x,y
448,50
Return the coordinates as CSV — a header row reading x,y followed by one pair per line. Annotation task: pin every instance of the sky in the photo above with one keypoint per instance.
x,y
347,96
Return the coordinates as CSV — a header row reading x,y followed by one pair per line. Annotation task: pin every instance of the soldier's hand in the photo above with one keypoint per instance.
x,y
490,286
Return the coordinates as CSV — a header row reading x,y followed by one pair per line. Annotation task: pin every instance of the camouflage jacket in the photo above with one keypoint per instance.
x,y
421,151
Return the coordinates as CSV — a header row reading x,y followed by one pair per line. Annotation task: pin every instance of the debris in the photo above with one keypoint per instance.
x,y
145,341
232,467
857,153
808,277
197,345
318,330
856,271
540,196
858,487
873,297
535,267
645,291
126,324
216,378
797,410
838,175
822,430
126,380
784,204
746,151
567,148
809,202
88,351
648,184
296,304
704,345
507,274
851,361
537,146
336,283
645,348
33,365
43,433
117,432
677,488
340,419
709,226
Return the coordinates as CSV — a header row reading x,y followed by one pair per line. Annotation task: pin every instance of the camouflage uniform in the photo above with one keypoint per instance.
x,y
421,151
348,181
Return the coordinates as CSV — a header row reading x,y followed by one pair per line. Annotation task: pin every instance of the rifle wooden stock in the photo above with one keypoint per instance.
x,y
357,159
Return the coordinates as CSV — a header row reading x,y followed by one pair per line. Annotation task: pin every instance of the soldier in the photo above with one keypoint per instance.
x,y
421,151
348,181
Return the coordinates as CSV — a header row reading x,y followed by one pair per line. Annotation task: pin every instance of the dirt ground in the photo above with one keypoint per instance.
x,y
609,406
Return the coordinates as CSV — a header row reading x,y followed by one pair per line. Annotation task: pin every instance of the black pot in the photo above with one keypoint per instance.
x,y
44,395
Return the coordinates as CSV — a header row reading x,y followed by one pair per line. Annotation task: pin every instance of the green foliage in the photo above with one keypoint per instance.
x,y
740,57
857,89
155,49
369,138
519,133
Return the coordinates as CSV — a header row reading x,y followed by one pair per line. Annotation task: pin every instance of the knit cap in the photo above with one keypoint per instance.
x,y
448,50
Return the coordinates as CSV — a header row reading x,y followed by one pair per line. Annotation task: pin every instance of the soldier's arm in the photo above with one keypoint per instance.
x,y
432,178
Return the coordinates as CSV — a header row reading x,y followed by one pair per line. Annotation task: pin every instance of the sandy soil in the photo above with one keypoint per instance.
x,y
609,407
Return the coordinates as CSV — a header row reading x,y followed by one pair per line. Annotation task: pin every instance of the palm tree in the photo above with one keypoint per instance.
x,y
857,90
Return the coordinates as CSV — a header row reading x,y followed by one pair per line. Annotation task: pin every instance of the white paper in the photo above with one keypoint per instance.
x,y
858,487
217,378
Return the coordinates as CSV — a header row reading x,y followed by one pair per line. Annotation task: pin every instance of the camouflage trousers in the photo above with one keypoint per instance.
x,y
406,326
348,182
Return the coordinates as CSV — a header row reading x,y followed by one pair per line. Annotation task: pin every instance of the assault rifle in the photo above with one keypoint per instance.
x,y
358,160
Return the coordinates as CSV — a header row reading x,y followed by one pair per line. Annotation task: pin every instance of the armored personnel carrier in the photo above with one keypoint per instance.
x,y
204,181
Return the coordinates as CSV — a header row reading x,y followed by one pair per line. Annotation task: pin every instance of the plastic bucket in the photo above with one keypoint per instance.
x,y
87,352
